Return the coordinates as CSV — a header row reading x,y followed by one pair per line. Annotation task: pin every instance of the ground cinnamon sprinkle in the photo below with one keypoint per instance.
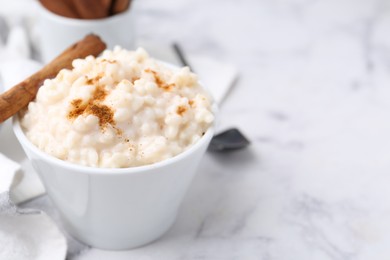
x,y
103,112
109,61
95,80
90,81
94,107
159,81
181,110
78,108
99,94
134,79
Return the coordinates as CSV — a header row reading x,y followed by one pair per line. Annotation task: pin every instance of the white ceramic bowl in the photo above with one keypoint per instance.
x,y
116,208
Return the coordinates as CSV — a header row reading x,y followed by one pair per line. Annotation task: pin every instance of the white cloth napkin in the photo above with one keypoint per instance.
x,y
25,234
9,169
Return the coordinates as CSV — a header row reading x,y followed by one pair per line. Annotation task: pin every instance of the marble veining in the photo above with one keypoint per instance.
x,y
313,97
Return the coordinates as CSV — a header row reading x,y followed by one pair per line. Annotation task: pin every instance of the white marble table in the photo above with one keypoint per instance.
x,y
314,98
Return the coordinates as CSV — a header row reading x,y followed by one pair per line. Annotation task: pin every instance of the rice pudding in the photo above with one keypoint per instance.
x,y
121,109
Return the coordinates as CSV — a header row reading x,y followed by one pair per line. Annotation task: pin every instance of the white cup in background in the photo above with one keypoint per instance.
x,y
56,32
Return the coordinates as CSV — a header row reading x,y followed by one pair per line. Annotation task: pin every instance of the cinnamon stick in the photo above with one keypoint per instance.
x,y
92,9
119,6
64,7
20,95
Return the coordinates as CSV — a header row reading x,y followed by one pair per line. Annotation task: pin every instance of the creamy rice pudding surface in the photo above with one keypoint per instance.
x,y
121,109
